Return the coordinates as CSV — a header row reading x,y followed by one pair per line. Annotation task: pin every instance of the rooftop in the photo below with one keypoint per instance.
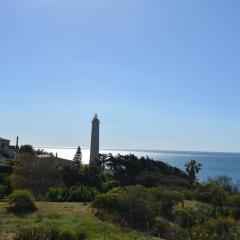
x,y
4,140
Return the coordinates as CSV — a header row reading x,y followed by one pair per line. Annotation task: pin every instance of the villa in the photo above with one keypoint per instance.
x,y
5,149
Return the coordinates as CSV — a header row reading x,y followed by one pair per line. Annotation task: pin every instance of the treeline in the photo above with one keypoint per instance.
x,y
40,174
130,170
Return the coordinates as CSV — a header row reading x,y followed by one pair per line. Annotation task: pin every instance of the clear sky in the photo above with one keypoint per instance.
x,y
161,74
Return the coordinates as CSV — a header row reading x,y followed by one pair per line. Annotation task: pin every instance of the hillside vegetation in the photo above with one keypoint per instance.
x,y
73,217
128,196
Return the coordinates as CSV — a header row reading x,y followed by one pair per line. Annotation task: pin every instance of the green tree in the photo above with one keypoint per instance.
x,y
218,198
187,218
27,149
35,174
192,169
102,160
71,175
78,157
234,201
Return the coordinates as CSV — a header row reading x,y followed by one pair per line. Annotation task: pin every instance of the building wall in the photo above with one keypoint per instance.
x,y
4,148
4,145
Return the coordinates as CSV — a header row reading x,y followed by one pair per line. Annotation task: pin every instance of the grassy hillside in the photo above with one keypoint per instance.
x,y
65,215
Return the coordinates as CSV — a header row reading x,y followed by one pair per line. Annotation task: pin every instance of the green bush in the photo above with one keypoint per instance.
x,y
22,201
215,229
109,201
234,202
107,186
2,191
74,194
186,218
168,231
187,194
133,205
203,197
46,233
167,199
31,233
82,194
55,194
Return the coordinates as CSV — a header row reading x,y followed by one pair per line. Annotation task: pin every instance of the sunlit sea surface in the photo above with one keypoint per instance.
x,y
213,164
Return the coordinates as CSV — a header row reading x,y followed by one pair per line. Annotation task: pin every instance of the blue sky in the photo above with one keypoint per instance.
x,y
161,74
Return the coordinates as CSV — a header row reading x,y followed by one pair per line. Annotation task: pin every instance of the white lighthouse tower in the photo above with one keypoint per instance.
x,y
94,150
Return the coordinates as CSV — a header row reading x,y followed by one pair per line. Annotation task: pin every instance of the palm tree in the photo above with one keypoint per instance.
x,y
192,168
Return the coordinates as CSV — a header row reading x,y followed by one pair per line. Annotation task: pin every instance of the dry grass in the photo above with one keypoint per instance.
x,y
189,204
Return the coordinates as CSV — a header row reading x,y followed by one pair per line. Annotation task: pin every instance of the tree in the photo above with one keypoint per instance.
x,y
224,182
129,169
35,174
92,176
27,149
234,202
187,218
102,160
71,175
192,169
167,199
218,198
78,157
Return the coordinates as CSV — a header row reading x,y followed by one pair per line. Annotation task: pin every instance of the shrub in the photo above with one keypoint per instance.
x,y
224,182
137,206
186,218
32,233
168,231
2,191
187,194
108,201
56,194
234,201
82,194
107,186
74,194
133,204
214,229
22,201
203,197
52,233
167,199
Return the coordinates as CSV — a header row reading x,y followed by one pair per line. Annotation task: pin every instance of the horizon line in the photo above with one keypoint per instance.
x,y
142,150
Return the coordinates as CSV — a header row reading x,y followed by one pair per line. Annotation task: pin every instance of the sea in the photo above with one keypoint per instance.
x,y
213,163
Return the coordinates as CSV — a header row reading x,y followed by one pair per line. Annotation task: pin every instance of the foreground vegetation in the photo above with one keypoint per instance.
x,y
69,219
128,196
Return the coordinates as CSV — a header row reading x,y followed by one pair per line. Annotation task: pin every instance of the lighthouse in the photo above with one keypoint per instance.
x,y
94,150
